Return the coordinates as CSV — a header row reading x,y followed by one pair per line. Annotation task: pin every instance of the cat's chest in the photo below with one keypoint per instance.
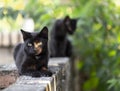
x,y
33,62
61,43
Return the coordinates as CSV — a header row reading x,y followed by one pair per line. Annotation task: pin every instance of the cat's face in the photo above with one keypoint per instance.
x,y
35,43
70,24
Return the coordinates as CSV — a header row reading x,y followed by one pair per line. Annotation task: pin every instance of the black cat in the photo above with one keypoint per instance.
x,y
59,45
31,57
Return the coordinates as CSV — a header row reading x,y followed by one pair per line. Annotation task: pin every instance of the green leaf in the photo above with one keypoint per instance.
x,y
91,84
112,83
112,53
79,64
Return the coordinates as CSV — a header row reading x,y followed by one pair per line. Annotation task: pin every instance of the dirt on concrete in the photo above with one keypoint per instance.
x,y
7,78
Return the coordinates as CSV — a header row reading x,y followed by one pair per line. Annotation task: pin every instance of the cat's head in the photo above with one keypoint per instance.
x,y
70,24
35,43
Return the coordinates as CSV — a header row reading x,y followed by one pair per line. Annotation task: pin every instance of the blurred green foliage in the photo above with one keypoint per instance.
x,y
97,44
96,40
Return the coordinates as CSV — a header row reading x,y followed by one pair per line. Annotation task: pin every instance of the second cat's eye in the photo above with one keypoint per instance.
x,y
29,44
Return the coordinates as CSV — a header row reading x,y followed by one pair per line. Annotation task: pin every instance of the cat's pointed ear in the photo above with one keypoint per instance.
x,y
66,19
25,34
44,32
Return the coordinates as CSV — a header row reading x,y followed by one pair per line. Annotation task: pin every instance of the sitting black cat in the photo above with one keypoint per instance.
x,y
31,57
59,45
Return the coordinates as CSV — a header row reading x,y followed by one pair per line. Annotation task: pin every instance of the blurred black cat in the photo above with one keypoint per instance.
x,y
31,57
59,45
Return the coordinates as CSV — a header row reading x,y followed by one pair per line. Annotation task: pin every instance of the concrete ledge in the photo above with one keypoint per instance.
x,y
58,82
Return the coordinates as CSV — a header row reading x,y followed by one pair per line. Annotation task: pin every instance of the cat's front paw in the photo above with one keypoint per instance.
x,y
46,73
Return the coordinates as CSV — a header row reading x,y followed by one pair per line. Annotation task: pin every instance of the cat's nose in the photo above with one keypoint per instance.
x,y
32,52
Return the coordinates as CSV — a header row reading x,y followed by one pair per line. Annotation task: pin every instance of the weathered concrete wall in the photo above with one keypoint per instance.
x,y
6,56
58,82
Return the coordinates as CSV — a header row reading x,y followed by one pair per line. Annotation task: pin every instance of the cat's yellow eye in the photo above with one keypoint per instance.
x,y
29,44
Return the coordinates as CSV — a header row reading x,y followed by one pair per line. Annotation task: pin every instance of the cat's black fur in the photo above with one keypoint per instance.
x,y
59,44
31,57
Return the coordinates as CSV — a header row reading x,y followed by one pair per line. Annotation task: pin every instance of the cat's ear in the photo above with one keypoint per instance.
x,y
66,19
44,32
25,34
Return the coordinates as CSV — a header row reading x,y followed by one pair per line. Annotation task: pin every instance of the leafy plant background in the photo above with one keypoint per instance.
x,y
96,41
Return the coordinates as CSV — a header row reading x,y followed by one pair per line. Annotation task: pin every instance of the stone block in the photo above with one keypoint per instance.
x,y
57,82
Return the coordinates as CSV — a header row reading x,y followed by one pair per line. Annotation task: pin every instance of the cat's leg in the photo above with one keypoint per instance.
x,y
36,70
36,73
69,49
45,71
